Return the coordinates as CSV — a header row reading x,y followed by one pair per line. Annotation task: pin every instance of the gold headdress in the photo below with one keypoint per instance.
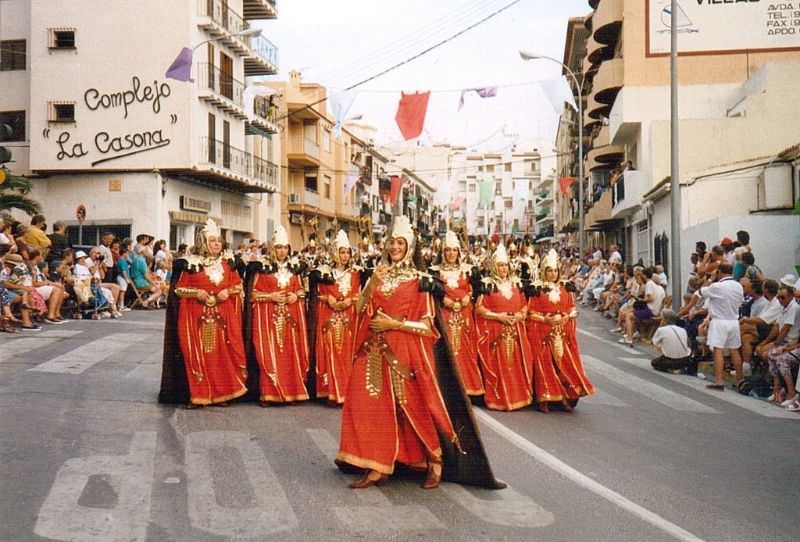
x,y
209,229
550,261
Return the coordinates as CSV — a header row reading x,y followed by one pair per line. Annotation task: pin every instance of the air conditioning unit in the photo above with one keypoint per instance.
x,y
775,187
294,198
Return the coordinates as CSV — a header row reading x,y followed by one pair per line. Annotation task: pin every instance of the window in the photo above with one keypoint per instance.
x,y
311,184
61,112
62,38
490,168
226,144
471,187
15,119
507,166
326,185
498,188
326,140
509,203
212,141
12,55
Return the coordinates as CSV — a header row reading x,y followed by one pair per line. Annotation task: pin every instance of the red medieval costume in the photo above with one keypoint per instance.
x,y
503,347
337,293
278,332
558,370
204,318
459,317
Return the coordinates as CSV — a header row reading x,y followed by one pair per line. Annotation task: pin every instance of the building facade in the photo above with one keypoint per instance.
x,y
100,126
732,109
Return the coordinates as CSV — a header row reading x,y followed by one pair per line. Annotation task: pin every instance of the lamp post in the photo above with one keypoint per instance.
x,y
247,33
527,55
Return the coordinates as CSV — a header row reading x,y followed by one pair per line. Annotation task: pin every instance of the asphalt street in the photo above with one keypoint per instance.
x,y
86,454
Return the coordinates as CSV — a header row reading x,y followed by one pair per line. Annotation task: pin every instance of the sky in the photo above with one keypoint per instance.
x,y
341,43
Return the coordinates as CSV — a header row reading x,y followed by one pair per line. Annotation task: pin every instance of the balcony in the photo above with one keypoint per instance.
x,y
597,52
608,81
263,121
221,22
220,89
229,167
606,156
607,21
303,151
261,57
600,211
596,109
628,192
260,9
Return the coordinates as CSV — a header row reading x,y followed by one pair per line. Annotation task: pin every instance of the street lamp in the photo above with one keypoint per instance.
x,y
246,33
181,67
528,55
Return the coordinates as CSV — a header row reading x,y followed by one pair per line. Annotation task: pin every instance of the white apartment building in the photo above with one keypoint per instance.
x,y
513,207
98,124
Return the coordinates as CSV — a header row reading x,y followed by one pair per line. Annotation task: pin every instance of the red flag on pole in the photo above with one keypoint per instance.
x,y
565,183
410,115
397,185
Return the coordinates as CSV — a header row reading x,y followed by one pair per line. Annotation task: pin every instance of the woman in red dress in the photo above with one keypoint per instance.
x,y
277,325
457,314
503,348
403,396
204,317
552,331
337,294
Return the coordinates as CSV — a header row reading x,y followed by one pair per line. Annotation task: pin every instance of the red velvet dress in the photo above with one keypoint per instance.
x,y
394,410
504,354
279,339
336,336
558,370
462,330
211,339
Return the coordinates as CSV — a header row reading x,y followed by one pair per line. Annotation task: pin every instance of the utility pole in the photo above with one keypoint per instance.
x,y
674,184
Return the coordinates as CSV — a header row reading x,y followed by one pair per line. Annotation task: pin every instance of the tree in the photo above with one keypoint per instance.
x,y
14,194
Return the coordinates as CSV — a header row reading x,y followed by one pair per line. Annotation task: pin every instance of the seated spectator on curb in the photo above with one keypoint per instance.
x,y
634,291
724,296
785,330
661,275
614,256
36,236
108,270
646,310
12,276
755,328
82,283
784,354
139,271
58,243
674,345
51,292
748,267
111,290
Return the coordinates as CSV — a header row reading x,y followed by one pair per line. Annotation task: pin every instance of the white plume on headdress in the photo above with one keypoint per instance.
x,y
281,237
402,228
451,240
211,229
551,260
500,254
342,241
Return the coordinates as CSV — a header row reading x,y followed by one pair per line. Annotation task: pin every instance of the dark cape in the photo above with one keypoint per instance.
x,y
174,382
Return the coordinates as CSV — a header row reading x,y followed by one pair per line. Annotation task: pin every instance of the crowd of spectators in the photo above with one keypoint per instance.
x,y
45,280
748,324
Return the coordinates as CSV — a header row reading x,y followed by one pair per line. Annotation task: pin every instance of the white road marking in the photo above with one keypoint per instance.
x,y
757,406
614,343
15,349
668,398
87,355
504,507
271,512
581,479
59,333
375,513
130,478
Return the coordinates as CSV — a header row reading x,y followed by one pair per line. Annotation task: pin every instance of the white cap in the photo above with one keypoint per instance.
x,y
80,254
789,280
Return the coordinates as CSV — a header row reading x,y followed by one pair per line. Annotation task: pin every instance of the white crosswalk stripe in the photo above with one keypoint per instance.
x,y
87,355
646,388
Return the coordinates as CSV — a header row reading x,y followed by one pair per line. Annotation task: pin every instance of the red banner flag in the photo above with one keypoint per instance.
x,y
565,183
410,115
397,185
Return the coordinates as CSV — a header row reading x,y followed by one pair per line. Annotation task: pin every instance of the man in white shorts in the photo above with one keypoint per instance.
x,y
724,296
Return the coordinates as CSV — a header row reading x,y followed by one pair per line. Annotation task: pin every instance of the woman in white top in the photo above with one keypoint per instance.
x,y
52,292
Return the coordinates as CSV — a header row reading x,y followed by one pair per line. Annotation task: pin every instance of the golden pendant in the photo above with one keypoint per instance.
x,y
280,324
208,331
556,337
399,387
456,324
339,324
509,336
374,375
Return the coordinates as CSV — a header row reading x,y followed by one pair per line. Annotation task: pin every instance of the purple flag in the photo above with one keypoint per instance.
x,y
483,92
181,68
